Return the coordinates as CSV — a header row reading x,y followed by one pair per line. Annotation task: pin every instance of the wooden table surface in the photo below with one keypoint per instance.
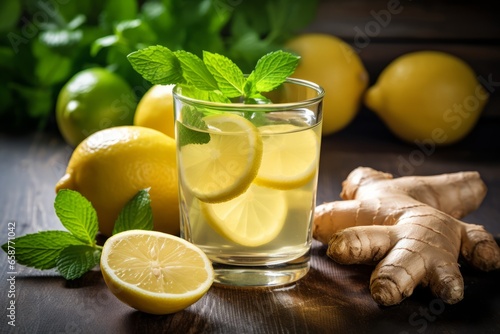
x,y
332,298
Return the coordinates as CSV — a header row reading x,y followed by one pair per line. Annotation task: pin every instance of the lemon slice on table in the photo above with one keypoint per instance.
x,y
290,156
155,272
224,167
252,219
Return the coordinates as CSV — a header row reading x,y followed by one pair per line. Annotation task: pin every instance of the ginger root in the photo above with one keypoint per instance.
x,y
415,233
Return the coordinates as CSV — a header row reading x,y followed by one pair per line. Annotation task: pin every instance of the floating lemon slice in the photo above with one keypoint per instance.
x,y
252,219
289,158
155,272
224,167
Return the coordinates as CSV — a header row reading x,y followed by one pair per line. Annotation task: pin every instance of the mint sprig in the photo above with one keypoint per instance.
x,y
74,252
215,74
215,78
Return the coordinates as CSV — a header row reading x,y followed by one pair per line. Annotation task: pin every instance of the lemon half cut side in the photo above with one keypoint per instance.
x,y
155,272
224,167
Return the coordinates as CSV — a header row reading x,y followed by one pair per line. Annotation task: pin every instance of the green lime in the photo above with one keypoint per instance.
x,y
92,100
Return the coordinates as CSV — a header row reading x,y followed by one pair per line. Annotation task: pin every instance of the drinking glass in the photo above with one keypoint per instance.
x,y
247,181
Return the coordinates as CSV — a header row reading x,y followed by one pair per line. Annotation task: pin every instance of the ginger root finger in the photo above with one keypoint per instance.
x,y
419,258
344,213
409,225
332,217
447,282
480,248
360,245
457,194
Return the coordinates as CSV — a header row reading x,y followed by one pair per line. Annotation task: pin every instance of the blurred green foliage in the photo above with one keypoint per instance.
x,y
43,43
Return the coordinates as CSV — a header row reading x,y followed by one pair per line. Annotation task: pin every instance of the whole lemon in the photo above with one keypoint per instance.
x,y
110,166
333,64
92,100
428,96
156,110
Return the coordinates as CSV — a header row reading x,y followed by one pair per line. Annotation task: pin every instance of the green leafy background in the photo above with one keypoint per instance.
x,y
43,43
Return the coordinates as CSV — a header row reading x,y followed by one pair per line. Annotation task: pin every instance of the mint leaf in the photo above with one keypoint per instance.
x,y
272,70
192,118
189,136
250,88
204,95
157,64
41,250
136,214
195,71
257,98
230,79
216,96
76,260
77,215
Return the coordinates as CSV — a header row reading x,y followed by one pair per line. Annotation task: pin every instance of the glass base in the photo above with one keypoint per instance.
x,y
261,276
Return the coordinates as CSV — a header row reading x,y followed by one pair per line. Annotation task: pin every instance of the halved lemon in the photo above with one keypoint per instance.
x,y
224,167
252,219
290,156
155,272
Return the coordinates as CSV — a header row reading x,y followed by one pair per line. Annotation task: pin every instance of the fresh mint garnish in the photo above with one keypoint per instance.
x,y
137,214
74,252
215,78
215,74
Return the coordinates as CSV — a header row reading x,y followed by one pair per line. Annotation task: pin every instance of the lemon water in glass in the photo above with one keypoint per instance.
x,y
247,182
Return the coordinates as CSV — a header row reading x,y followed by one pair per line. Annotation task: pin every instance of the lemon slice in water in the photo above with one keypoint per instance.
x,y
252,219
155,272
290,156
224,167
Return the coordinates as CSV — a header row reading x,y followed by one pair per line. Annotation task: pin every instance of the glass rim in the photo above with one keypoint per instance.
x,y
284,105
